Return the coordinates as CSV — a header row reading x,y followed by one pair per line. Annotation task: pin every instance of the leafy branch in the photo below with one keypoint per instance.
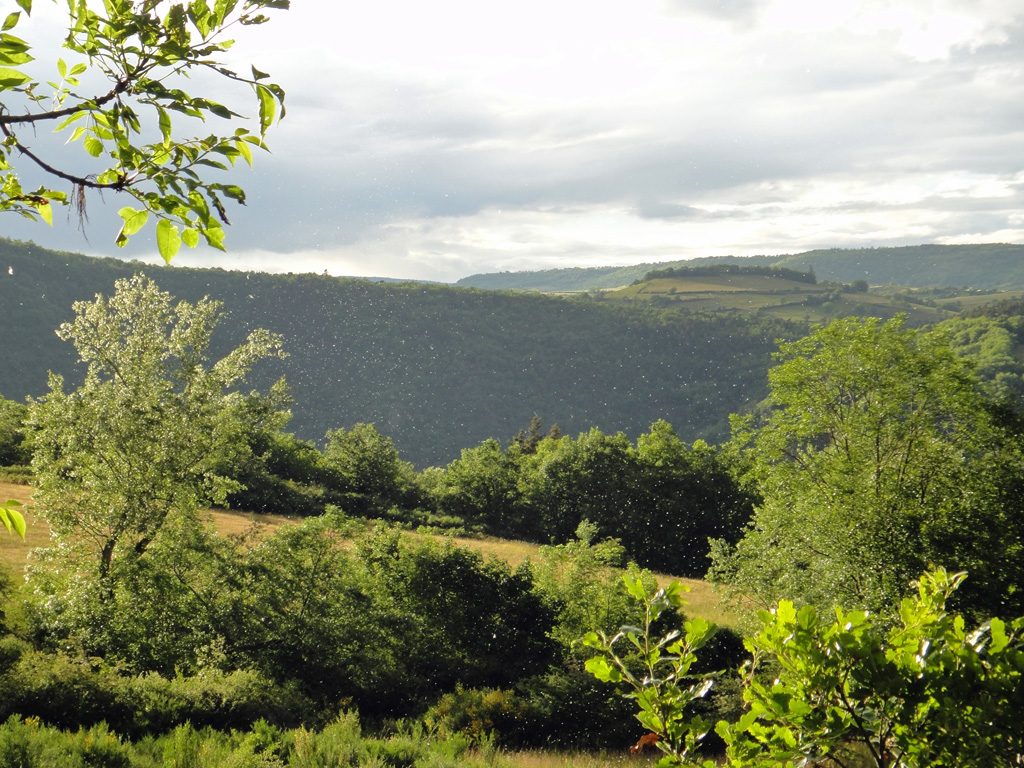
x,y
657,670
142,49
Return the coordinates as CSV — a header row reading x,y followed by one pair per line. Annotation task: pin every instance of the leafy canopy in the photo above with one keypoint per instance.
x,y
865,458
137,445
923,691
119,95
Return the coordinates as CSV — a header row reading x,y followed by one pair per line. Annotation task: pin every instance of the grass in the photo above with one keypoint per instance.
x,y
702,600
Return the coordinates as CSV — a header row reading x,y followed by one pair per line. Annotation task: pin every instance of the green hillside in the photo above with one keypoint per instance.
x,y
436,368
979,266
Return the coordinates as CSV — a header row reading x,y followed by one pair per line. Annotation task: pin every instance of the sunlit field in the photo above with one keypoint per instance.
x,y
703,600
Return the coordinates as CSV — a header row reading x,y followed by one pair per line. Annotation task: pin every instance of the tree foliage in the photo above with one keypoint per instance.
x,y
133,451
924,691
656,670
119,95
869,459
661,499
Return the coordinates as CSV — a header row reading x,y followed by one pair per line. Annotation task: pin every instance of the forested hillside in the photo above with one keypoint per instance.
x,y
978,266
435,368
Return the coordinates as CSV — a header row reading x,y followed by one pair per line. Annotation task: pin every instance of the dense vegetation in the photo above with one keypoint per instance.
x,y
881,455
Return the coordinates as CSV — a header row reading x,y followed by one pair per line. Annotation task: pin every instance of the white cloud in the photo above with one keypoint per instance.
x,y
436,140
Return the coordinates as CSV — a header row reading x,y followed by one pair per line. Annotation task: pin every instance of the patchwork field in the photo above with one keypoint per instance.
x,y
771,296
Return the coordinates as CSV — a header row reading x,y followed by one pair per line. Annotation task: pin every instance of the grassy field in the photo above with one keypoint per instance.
x,y
771,296
703,600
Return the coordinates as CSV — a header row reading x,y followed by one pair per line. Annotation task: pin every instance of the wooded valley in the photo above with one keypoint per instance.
x,y
861,513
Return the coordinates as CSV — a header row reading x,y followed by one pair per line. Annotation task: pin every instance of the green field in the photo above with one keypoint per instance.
x,y
779,298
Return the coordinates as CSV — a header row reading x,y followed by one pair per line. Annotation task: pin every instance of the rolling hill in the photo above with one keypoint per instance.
x,y
980,266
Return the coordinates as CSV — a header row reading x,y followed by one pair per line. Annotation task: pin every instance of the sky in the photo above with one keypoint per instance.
x,y
437,140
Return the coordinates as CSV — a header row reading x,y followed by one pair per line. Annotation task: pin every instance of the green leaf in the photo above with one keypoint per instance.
x,y
133,220
635,587
999,638
45,212
93,146
244,151
11,517
165,125
268,107
62,68
599,667
219,110
12,20
25,5
12,78
214,237
190,237
13,58
69,120
167,239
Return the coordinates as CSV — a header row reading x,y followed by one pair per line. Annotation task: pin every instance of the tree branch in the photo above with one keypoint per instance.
x,y
121,87
82,181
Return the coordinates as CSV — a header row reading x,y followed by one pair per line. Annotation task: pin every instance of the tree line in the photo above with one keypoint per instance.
x,y
716,270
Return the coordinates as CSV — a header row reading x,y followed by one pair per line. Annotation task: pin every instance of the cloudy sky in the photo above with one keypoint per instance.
x,y
437,140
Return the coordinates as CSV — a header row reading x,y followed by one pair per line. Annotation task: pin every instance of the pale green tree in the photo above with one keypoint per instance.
x,y
118,90
367,463
132,453
864,459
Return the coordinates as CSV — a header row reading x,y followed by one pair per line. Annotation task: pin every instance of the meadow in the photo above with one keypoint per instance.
x,y
703,601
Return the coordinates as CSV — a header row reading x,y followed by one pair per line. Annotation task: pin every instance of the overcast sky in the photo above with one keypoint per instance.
x,y
437,140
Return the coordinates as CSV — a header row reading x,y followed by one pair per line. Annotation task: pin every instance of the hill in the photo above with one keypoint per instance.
x,y
979,266
436,368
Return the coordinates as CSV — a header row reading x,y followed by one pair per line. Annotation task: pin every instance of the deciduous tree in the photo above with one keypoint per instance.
x,y
135,447
864,459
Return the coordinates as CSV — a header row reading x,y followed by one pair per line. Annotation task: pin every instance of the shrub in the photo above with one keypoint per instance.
x,y
69,692
476,712
339,743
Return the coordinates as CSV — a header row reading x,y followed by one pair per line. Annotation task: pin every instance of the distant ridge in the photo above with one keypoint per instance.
x,y
993,265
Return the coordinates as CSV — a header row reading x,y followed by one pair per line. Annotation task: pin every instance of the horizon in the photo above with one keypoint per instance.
x,y
432,142
156,261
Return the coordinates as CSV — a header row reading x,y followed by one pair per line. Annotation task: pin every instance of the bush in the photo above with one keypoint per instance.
x,y
29,744
476,712
340,743
17,474
69,692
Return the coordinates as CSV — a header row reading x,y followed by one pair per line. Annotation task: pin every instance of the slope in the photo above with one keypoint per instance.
x,y
434,367
979,266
